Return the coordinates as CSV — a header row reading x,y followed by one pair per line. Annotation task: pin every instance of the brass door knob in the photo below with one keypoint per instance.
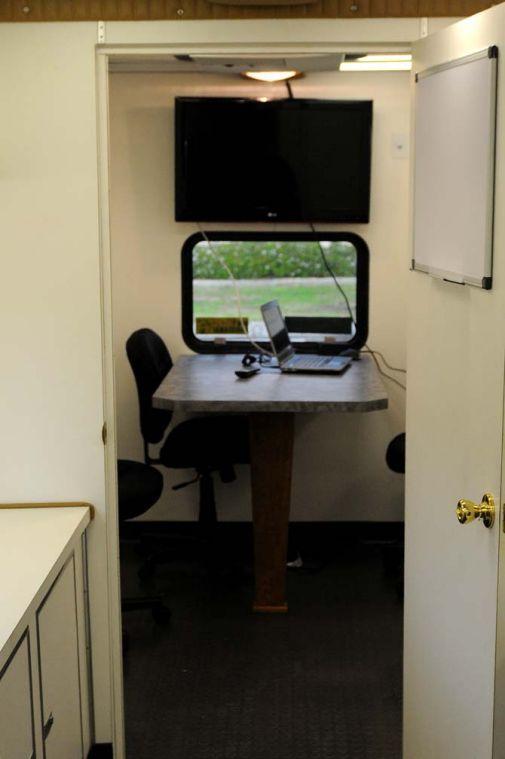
x,y
467,511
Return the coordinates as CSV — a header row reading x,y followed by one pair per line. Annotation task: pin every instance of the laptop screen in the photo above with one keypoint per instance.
x,y
276,328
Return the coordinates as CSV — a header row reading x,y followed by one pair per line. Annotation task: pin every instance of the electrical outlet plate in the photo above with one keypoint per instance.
x,y
400,145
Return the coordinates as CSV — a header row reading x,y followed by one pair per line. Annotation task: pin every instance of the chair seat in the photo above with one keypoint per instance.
x,y
207,442
395,454
139,487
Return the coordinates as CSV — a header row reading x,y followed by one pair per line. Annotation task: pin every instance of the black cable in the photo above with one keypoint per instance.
x,y
346,299
332,275
249,359
290,89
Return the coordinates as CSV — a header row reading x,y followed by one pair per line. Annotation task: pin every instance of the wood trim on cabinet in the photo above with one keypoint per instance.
x,y
153,10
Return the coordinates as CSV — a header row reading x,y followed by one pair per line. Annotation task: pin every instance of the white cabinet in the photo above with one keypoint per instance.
x,y
16,708
59,669
45,709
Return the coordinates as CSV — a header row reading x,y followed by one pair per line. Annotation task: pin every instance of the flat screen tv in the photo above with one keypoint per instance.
x,y
281,160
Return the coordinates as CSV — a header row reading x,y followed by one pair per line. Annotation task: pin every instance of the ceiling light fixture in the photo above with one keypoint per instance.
x,y
379,62
377,57
271,76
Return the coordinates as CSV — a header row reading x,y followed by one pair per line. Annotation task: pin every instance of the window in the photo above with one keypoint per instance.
x,y
285,266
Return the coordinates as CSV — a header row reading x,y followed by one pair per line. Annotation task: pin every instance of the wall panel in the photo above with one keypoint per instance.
x,y
51,394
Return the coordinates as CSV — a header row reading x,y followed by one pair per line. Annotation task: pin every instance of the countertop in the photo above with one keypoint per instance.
x,y
32,541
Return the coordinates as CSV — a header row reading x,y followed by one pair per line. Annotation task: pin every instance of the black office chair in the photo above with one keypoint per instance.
x,y
207,444
394,564
139,487
395,454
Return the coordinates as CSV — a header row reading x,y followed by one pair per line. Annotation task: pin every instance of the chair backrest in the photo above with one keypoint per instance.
x,y
150,361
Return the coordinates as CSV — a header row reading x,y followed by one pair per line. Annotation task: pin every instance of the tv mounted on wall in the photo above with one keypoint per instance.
x,y
239,159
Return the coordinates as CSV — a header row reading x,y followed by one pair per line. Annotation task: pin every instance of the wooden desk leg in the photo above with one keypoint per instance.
x,y
271,437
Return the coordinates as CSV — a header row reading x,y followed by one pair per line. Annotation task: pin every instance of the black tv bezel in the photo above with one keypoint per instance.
x,y
183,214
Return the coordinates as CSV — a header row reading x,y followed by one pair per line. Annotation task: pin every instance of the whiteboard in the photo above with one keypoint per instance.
x,y
455,114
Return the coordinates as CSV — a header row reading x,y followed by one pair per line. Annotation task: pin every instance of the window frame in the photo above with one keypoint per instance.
x,y
357,341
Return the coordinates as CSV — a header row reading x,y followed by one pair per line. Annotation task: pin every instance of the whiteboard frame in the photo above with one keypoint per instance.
x,y
486,282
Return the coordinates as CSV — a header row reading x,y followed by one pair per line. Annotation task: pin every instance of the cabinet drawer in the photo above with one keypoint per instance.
x,y
59,669
16,712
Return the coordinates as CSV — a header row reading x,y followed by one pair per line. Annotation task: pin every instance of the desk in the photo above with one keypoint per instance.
x,y
208,384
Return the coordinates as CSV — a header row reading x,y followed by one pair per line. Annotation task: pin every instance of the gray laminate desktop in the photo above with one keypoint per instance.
x,y
208,384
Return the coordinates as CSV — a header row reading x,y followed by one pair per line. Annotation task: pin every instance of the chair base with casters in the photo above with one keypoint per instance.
x,y
140,487
207,512
194,444
209,445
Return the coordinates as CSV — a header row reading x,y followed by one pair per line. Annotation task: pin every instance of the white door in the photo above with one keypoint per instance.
x,y
454,648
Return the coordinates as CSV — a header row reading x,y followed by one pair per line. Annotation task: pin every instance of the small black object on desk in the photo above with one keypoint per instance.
x,y
247,372
263,359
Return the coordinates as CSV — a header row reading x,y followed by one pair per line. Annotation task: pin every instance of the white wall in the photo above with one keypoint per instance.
x,y
261,34
51,399
339,468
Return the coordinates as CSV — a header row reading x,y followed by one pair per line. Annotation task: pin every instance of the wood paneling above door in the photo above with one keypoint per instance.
x,y
142,10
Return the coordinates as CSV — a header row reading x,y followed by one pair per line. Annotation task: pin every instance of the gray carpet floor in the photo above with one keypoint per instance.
x,y
323,682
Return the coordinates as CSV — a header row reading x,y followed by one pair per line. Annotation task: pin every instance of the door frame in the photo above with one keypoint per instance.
x,y
376,36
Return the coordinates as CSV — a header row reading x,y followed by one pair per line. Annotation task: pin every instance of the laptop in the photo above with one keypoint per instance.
x,y
288,360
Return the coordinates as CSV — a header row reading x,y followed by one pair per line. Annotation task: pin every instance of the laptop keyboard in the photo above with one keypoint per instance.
x,y
311,362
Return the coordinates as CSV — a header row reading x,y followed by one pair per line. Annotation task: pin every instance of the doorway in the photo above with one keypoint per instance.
x,y
347,571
